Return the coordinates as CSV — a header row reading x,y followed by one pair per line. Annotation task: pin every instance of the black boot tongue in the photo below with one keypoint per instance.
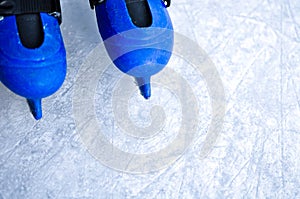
x,y
139,12
30,28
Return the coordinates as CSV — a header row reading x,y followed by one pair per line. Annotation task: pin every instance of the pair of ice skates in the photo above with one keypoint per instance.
x,y
32,53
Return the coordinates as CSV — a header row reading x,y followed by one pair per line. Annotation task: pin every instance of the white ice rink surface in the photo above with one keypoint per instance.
x,y
255,46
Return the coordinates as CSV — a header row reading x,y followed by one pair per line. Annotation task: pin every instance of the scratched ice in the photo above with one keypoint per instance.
x,y
255,46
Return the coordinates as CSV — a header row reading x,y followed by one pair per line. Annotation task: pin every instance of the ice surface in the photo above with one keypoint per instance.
x,y
255,47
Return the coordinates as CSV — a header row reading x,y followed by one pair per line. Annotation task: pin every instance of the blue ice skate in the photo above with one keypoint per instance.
x,y
32,52
137,35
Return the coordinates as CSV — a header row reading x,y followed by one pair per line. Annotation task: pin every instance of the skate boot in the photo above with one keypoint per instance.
x,y
32,52
138,36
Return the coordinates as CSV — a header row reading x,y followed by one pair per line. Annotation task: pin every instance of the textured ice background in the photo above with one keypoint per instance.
x,y
255,47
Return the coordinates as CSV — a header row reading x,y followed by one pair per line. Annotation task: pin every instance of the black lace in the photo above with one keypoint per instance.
x,y
16,7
